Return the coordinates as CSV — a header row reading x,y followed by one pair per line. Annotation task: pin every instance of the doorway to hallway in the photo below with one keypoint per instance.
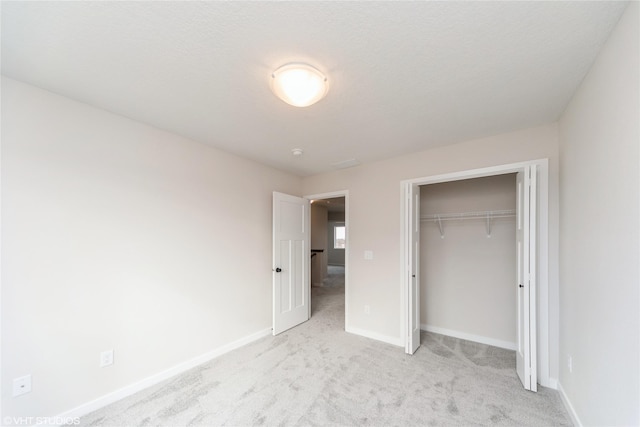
x,y
329,247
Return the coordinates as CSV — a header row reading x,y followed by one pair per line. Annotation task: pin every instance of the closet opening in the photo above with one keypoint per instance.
x,y
469,291
468,260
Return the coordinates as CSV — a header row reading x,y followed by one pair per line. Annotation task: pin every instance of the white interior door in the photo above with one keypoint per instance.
x,y
413,268
526,364
291,258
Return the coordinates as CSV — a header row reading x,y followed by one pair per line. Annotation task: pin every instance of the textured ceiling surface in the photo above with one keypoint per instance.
x,y
404,76
334,204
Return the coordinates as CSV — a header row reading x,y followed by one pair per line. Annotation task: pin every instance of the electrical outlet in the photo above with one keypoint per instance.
x,y
570,364
368,255
21,385
367,309
106,358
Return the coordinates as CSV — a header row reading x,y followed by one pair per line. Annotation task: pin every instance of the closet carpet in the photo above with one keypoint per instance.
x,y
317,374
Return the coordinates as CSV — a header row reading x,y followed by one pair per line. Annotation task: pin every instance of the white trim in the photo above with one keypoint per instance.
x,y
331,195
543,326
553,383
543,351
123,392
399,342
470,337
569,407
476,173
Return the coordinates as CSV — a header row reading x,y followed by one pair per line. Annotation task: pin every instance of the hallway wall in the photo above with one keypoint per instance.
x,y
335,256
319,223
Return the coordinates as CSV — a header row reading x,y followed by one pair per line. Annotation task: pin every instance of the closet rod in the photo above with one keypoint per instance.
x,y
506,213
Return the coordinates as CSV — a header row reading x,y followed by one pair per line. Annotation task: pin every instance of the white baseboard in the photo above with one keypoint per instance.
x,y
114,396
567,404
375,336
550,383
470,337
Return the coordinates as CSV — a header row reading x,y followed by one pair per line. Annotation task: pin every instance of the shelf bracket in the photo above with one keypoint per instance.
x,y
440,227
488,224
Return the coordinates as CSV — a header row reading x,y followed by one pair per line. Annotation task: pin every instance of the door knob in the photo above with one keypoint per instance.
x,y
278,269
521,286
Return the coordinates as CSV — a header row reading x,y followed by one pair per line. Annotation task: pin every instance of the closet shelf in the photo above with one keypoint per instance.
x,y
470,215
488,216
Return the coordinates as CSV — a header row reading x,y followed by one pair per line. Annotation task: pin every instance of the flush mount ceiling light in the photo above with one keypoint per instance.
x,y
299,84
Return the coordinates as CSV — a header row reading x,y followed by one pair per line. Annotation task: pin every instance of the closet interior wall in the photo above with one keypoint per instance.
x,y
468,279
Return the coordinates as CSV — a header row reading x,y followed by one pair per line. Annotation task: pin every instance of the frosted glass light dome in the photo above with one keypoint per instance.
x,y
298,84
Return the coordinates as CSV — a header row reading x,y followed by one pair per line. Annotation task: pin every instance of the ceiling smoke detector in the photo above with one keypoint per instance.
x,y
297,152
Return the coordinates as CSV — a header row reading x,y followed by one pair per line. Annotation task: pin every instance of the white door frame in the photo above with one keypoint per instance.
x,y
542,329
413,273
331,195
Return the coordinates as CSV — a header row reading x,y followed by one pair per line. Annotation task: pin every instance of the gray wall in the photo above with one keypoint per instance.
x,y
599,239
117,235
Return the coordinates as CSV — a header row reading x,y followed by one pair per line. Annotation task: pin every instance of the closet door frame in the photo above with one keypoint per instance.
x,y
542,328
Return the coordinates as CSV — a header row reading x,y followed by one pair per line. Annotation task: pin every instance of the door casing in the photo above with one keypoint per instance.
x,y
542,295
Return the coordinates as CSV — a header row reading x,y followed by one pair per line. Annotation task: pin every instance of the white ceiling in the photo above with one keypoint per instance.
x,y
404,76
334,204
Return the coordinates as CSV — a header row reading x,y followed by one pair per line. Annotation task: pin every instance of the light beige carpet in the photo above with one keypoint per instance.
x,y
317,374
335,277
